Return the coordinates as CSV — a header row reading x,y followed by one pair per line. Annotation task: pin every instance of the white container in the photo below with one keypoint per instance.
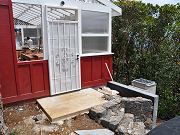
x,y
146,85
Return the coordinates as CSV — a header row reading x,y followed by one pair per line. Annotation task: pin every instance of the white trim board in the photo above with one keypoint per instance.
x,y
104,7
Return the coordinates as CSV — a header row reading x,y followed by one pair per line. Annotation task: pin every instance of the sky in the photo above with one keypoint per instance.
x,y
161,2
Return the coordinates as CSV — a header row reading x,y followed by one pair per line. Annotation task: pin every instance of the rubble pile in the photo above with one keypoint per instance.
x,y
124,115
3,128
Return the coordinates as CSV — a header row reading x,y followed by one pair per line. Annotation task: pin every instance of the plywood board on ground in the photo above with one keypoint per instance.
x,y
71,104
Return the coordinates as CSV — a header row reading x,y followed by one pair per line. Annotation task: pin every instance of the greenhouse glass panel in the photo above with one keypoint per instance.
x,y
95,22
94,44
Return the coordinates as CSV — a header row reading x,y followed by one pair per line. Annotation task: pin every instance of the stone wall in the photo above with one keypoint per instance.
x,y
3,128
142,108
124,116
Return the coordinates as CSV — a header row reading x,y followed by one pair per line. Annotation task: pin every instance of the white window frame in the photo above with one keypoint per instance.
x,y
43,25
108,35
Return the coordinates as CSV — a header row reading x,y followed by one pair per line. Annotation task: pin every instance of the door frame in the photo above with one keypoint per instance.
x,y
48,53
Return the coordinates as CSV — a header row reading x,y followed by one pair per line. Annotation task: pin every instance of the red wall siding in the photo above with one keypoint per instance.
x,y
24,76
94,71
32,81
7,63
97,68
37,77
33,78
86,65
18,81
4,2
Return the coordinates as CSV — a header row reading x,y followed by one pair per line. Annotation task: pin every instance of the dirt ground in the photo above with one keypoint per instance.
x,y
28,119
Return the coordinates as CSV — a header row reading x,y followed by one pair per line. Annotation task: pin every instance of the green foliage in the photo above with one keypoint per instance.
x,y
146,44
17,132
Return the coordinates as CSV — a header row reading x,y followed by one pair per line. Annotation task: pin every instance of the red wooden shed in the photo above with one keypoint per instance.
x,y
51,47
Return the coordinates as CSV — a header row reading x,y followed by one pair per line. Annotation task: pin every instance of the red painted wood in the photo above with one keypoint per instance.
x,y
36,73
96,68
18,81
7,63
86,66
37,78
94,71
33,81
24,80
4,2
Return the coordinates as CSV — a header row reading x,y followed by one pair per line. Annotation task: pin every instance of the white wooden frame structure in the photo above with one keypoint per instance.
x,y
35,12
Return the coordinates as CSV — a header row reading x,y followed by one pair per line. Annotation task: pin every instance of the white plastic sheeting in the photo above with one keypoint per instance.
x,y
95,22
31,14
94,44
27,13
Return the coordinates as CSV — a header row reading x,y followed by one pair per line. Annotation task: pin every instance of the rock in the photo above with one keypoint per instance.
x,y
148,123
3,128
147,131
108,91
69,122
97,112
110,104
126,125
106,97
20,109
37,117
124,115
59,123
29,121
41,118
112,119
138,128
115,92
44,128
116,98
110,123
73,133
141,107
129,127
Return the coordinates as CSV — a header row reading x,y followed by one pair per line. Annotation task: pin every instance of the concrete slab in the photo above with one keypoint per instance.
x,y
67,105
94,132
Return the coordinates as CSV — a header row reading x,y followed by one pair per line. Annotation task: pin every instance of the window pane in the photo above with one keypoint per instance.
x,y
30,32
95,22
94,44
28,27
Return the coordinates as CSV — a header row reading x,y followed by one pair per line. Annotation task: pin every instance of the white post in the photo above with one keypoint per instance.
x,y
44,33
110,31
22,35
80,43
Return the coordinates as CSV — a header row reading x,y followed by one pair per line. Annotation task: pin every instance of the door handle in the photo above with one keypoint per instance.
x,y
77,56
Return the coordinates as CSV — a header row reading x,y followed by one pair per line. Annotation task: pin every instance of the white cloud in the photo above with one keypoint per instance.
x,y
161,2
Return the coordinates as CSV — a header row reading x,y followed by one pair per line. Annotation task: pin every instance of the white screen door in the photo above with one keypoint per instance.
x,y
64,62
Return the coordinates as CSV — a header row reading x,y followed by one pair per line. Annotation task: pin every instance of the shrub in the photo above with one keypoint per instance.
x,y
146,44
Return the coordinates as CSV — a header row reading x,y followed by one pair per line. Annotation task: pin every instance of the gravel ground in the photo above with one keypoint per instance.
x,y
28,119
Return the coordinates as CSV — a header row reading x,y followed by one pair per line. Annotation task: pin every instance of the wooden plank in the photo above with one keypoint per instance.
x,y
70,104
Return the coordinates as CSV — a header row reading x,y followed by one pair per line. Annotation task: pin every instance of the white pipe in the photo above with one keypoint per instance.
x,y
109,71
